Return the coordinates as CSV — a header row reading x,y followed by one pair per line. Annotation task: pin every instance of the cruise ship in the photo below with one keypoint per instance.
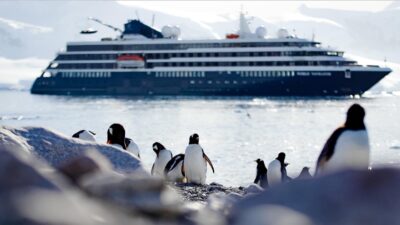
x,y
144,61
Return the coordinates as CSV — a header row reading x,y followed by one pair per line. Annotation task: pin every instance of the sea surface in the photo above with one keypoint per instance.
x,y
233,131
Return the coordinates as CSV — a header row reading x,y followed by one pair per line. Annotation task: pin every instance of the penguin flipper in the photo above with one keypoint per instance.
x,y
209,161
152,169
172,163
257,178
329,148
76,135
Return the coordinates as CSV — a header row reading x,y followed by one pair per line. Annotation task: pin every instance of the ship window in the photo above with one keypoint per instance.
x,y
209,82
226,82
235,82
192,82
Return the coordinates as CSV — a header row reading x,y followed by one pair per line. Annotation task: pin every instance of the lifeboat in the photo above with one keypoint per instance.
x,y
232,36
130,61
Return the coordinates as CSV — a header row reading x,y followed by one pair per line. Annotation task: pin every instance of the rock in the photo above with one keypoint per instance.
x,y
25,190
33,193
305,173
200,193
78,167
56,148
349,197
253,189
273,215
136,193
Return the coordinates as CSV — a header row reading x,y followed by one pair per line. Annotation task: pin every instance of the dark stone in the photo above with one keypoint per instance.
x,y
349,197
76,168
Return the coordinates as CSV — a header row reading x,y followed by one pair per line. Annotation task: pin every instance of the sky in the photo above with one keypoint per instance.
x,y
214,11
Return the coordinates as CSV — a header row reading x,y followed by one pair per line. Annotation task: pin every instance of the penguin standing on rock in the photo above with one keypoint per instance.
x,y
116,136
174,170
163,156
348,146
261,176
277,170
195,164
86,135
132,147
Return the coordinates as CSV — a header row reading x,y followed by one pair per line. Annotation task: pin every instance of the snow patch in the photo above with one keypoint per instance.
x,y
17,25
12,71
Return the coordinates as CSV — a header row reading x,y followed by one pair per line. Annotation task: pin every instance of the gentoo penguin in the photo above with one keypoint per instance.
x,y
116,136
163,156
195,164
261,176
305,173
277,170
174,169
132,147
348,146
86,135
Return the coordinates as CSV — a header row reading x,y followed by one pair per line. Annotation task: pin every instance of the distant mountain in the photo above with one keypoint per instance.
x,y
41,35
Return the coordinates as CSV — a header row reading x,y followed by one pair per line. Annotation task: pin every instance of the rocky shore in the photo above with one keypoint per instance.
x,y
48,178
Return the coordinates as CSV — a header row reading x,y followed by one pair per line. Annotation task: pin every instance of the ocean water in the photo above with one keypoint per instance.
x,y
233,131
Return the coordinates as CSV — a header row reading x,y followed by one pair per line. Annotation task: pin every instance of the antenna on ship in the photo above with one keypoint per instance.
x,y
153,19
313,35
137,15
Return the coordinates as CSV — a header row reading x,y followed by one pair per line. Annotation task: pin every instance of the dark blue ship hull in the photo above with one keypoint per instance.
x,y
298,83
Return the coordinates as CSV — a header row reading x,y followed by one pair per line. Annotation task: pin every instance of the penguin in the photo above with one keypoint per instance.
x,y
132,147
195,164
261,176
277,173
163,156
174,170
116,136
304,174
86,135
348,146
